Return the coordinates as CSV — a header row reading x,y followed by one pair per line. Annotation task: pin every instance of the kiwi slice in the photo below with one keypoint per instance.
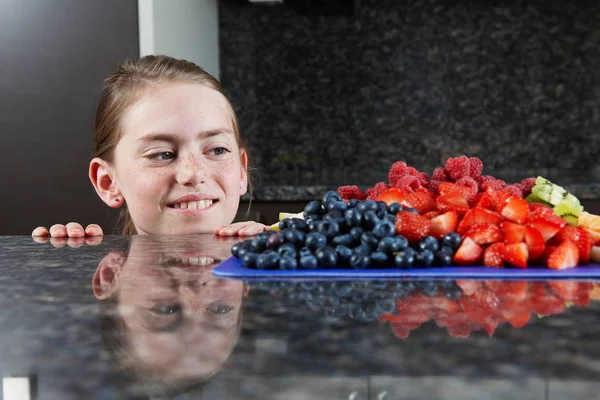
x,y
564,204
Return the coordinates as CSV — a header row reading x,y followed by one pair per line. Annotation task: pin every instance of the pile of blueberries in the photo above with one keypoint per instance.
x,y
338,234
360,300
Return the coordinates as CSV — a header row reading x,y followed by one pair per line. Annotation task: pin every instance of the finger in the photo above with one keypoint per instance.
x,y
252,230
75,230
58,231
75,242
231,230
93,230
93,240
58,242
41,239
40,231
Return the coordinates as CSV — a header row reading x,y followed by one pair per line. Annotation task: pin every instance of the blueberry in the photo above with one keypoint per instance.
x,y
404,259
370,220
268,260
294,237
447,249
364,248
346,240
353,217
359,260
394,208
334,215
309,262
384,229
452,239
352,203
411,210
242,251
356,233
429,288
390,217
235,248
343,255
285,224
328,228
386,306
288,263
331,195
378,259
381,205
287,249
387,245
367,205
249,260
340,206
424,258
326,257
429,243
452,292
313,207
344,290
299,224
369,239
275,240
314,240
311,224
442,259
304,251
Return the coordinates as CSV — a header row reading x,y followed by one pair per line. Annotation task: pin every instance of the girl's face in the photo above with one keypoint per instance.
x,y
178,165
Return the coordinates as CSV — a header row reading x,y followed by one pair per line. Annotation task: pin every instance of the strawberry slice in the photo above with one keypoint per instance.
x,y
443,224
484,233
493,256
547,227
478,215
452,202
392,195
513,233
466,192
516,210
566,255
516,254
469,252
431,214
535,243
488,200
565,290
412,226
513,291
581,238
518,315
422,200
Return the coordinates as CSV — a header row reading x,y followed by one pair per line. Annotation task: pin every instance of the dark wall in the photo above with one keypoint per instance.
x,y
332,100
54,55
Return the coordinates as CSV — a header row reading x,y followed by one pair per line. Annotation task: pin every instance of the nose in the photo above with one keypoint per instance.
x,y
190,294
191,171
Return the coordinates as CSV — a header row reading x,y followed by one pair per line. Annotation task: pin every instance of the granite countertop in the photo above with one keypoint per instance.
x,y
120,316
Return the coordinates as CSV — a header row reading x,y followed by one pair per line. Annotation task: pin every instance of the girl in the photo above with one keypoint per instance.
x,y
168,151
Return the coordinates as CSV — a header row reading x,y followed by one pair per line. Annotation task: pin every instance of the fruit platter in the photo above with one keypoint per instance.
x,y
455,223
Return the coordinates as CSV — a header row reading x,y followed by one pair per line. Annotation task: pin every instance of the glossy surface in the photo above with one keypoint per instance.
x,y
137,315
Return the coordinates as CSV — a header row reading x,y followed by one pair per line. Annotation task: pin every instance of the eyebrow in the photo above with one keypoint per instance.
x,y
169,137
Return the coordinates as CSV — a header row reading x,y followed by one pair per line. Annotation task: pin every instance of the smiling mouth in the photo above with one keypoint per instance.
x,y
193,205
185,261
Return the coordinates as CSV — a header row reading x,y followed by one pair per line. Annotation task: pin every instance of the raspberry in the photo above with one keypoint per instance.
x,y
469,182
432,185
514,190
526,185
412,171
397,171
424,178
409,184
495,184
440,174
484,178
476,167
376,191
350,192
458,167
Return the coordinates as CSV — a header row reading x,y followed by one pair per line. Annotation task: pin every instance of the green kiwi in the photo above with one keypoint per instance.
x,y
564,204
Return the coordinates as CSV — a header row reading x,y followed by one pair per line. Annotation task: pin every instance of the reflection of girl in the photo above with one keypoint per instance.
x,y
167,321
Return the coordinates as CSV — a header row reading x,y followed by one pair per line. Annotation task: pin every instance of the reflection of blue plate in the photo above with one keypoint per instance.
x,y
232,268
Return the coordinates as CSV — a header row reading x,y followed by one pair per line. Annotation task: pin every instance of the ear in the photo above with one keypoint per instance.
x,y
243,172
101,174
106,278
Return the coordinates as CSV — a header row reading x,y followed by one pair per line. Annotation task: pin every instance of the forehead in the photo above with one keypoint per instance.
x,y
181,107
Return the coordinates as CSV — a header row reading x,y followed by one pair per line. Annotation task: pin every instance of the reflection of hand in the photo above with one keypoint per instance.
x,y
246,228
71,230
70,241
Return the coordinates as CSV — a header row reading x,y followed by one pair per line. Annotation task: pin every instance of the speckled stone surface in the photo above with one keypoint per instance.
x,y
50,331
336,100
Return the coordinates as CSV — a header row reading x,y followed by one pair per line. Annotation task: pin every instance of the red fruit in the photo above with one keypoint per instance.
x,y
402,329
493,256
469,287
516,254
392,195
526,185
513,233
493,184
446,305
424,178
548,228
476,167
443,224
488,201
351,192
470,183
432,186
469,252
566,255
462,330
458,167
516,210
513,291
565,290
535,243
397,171
581,238
541,211
517,316
408,183
440,174
484,178
514,190
452,202
412,226
546,254
484,233
477,215
376,191
421,200
431,214
467,192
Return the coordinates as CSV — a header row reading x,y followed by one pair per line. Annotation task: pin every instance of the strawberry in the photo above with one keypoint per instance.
x,y
452,202
412,226
392,195
566,255
422,200
516,254
535,243
447,306
443,224
431,214
513,233
468,192
484,233
541,211
547,227
469,287
581,238
488,200
517,316
468,253
565,290
493,256
376,191
477,216
513,291
546,254
516,210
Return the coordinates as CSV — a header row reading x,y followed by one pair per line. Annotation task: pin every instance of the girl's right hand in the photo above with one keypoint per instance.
x,y
71,230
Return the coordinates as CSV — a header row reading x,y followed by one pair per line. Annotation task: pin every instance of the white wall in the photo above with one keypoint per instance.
x,y
186,29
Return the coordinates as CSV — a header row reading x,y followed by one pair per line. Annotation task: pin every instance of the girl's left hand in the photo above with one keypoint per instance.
x,y
246,228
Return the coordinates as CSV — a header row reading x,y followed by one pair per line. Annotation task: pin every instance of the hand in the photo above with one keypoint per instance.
x,y
71,230
246,228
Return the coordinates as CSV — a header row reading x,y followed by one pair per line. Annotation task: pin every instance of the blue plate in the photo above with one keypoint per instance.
x,y
232,268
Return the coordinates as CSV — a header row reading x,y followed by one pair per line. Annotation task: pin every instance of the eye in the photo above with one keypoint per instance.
x,y
166,309
218,151
220,309
162,156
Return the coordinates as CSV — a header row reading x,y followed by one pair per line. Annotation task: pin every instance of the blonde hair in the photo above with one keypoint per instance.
x,y
123,88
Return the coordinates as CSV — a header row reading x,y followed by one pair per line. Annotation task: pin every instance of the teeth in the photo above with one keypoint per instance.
x,y
194,205
194,260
